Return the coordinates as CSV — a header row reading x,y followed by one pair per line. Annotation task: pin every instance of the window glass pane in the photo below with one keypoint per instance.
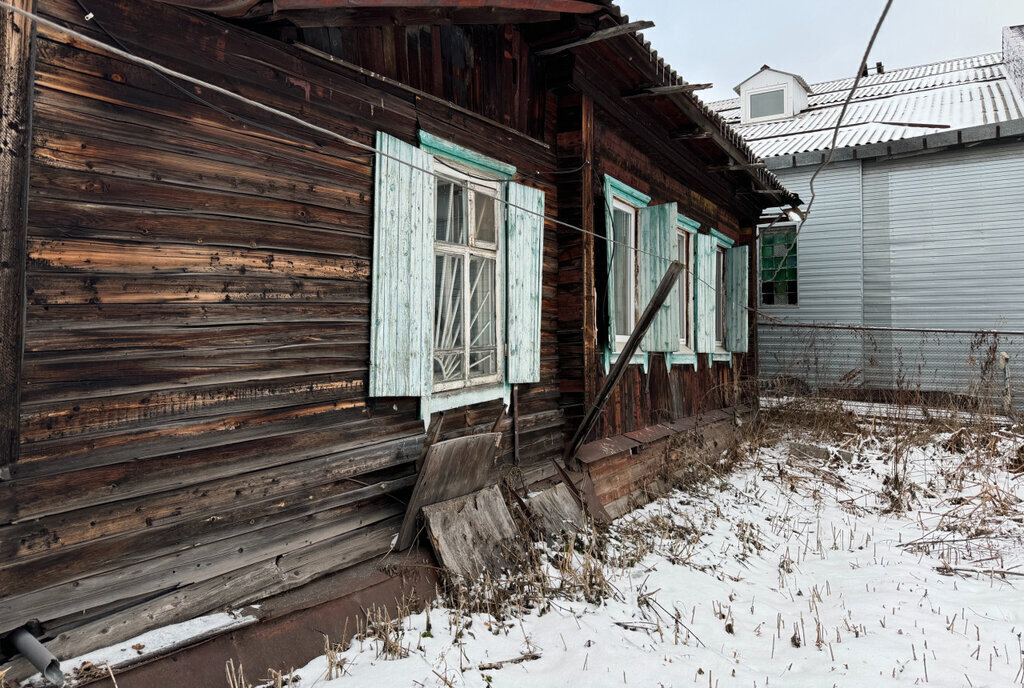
x,y
767,103
622,268
779,267
448,323
485,225
483,316
483,362
719,296
683,289
451,212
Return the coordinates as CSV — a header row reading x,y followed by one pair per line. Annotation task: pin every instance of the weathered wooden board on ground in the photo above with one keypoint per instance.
x,y
556,511
474,534
451,468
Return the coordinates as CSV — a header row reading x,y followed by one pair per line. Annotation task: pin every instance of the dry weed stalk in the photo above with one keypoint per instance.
x,y
235,675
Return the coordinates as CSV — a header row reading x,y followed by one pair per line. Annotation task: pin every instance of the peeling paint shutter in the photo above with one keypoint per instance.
x,y
402,302
658,248
525,256
736,287
704,290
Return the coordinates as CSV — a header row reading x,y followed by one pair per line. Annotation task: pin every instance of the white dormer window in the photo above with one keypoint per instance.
x,y
765,104
771,94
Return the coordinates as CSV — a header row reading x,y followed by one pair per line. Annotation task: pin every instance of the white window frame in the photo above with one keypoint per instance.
x,y
488,250
619,204
687,344
768,89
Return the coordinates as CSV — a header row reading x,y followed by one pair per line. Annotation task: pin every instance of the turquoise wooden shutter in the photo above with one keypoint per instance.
x,y
736,286
704,291
524,259
402,301
658,248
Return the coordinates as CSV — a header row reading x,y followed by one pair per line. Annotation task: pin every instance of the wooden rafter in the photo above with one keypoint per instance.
x,y
737,167
666,90
602,34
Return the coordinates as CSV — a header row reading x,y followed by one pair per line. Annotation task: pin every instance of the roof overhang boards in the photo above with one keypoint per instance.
x,y
398,12
626,77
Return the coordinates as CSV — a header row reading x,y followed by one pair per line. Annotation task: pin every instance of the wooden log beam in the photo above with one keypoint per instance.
x,y
601,35
411,16
666,90
690,135
17,67
622,361
737,167
567,6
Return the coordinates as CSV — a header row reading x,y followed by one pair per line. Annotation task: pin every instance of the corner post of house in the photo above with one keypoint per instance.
x,y
17,68
591,360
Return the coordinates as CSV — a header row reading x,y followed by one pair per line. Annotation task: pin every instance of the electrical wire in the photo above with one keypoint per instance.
x,y
169,74
861,69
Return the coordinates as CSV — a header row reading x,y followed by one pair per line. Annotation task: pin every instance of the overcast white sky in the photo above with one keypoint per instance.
x,y
725,41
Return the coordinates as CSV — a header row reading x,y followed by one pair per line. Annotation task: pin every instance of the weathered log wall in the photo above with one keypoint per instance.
x,y
589,133
193,411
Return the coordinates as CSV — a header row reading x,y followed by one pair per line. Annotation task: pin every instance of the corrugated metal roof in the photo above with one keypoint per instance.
x,y
899,104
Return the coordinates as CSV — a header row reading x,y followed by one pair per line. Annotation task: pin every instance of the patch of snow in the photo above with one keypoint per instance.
x,y
789,572
146,645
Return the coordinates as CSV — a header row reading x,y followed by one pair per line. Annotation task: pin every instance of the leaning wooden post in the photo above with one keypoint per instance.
x,y
17,67
615,374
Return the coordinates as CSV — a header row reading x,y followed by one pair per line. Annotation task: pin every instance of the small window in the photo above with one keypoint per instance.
x,y
683,289
623,288
778,266
767,104
720,298
467,275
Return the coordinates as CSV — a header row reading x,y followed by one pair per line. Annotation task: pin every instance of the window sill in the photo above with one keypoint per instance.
x,y
442,401
721,357
682,358
610,357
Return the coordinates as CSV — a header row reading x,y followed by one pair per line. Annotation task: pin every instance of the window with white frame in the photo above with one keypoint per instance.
x,y
467,283
720,299
451,321
623,283
684,291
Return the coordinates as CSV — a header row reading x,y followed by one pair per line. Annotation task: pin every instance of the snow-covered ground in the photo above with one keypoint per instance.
x,y
789,571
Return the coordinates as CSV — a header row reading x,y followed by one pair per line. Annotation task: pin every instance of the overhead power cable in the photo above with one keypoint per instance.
x,y
861,69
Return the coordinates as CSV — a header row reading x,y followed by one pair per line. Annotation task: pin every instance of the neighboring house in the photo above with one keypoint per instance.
x,y
224,334
917,223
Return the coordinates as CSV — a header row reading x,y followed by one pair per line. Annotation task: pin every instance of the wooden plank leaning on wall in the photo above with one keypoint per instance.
x,y
17,42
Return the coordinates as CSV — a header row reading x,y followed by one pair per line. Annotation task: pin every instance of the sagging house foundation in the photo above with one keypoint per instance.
x,y
224,333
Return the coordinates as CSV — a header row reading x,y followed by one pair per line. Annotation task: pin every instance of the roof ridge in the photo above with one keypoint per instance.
x,y
908,67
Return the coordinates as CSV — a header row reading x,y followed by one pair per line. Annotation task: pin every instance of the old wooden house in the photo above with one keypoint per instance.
x,y
227,321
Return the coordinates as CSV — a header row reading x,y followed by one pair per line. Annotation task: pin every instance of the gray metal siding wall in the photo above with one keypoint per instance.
x,y
943,248
948,228
829,255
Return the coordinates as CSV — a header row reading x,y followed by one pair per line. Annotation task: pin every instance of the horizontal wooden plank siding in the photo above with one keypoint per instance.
x,y
194,397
